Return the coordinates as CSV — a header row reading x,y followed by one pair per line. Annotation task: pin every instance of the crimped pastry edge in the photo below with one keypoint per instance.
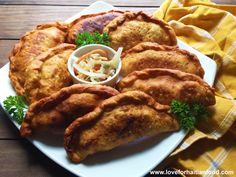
x,y
60,25
128,16
47,55
57,97
55,50
83,17
120,99
143,46
18,46
155,72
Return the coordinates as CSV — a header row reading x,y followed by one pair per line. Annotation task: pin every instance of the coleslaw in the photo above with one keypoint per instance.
x,y
96,66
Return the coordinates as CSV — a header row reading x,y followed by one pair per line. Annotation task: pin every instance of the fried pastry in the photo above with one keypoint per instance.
x,y
118,120
91,23
164,85
131,28
153,55
48,73
31,45
59,109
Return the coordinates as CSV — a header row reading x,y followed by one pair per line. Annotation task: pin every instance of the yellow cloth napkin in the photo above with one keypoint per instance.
x,y
211,29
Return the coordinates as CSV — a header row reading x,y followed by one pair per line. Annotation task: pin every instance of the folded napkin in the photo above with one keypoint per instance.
x,y
211,29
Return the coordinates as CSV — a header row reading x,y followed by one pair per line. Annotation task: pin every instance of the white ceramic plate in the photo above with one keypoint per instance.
x,y
135,159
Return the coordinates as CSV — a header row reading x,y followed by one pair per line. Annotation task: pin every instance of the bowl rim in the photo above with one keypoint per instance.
x,y
70,67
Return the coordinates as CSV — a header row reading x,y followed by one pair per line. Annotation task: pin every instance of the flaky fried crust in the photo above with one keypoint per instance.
x,y
16,49
117,120
144,46
55,103
40,83
164,85
14,73
85,22
140,16
54,51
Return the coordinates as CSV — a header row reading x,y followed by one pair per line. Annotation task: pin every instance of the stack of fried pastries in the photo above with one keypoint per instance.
x,y
61,108
165,85
99,118
118,120
31,45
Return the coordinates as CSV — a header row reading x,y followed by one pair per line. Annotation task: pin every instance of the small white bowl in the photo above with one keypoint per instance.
x,y
85,49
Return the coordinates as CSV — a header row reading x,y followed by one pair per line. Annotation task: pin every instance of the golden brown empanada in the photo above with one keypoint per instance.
x,y
164,85
31,45
91,23
131,28
153,55
59,109
48,73
118,120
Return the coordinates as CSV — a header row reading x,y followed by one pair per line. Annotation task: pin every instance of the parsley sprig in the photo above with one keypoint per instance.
x,y
16,107
188,113
91,38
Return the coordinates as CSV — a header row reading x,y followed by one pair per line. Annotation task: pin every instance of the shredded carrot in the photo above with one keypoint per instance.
x,y
99,51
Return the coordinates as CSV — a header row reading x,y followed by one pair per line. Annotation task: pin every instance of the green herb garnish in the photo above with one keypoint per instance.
x,y
91,38
16,107
188,113
105,66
